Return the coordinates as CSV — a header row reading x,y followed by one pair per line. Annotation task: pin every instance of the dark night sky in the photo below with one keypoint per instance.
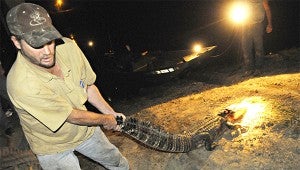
x,y
151,25
166,25
159,25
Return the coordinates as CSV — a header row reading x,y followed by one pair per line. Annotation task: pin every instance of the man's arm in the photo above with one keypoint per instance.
x,y
107,119
269,16
96,99
87,118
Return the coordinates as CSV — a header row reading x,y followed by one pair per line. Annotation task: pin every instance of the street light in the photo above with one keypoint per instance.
x,y
61,7
58,4
90,43
72,36
197,48
239,12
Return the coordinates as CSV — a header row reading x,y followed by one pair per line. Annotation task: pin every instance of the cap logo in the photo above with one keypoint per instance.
x,y
36,19
32,23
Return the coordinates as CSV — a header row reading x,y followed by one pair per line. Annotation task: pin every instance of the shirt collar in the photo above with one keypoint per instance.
x,y
41,73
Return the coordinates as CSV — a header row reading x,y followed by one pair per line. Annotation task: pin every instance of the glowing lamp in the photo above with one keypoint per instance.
x,y
58,4
90,43
72,36
239,13
197,48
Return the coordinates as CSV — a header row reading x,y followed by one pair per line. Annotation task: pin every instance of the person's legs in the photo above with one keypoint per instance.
x,y
258,44
65,160
247,45
99,149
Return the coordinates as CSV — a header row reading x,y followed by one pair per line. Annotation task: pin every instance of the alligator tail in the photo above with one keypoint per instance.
x,y
155,137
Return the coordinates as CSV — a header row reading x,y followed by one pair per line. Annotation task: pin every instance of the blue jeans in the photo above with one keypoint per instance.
x,y
97,148
252,36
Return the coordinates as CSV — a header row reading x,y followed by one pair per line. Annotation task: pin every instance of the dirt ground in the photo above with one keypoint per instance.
x,y
270,99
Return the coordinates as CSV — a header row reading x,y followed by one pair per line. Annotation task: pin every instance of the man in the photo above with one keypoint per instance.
x,y
253,34
48,85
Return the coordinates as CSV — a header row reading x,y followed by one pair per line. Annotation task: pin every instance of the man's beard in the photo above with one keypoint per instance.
x,y
38,63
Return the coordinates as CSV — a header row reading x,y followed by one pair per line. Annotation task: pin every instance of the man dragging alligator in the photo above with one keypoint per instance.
x,y
48,85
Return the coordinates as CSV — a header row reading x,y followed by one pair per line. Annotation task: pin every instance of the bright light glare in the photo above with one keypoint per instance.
x,y
252,109
72,36
58,3
239,13
197,48
90,43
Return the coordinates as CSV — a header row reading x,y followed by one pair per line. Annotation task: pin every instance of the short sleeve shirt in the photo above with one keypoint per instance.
x,y
44,101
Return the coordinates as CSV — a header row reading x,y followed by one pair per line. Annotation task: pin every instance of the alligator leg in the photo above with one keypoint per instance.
x,y
205,138
209,144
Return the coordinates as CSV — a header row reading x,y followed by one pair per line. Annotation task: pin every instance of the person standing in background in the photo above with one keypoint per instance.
x,y
252,34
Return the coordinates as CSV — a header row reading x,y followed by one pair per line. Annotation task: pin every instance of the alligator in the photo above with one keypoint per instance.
x,y
154,137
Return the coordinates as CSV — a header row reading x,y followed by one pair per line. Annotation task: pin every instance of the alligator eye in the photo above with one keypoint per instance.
x,y
223,113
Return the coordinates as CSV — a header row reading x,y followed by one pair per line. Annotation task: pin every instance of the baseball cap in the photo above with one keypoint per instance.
x,y
32,23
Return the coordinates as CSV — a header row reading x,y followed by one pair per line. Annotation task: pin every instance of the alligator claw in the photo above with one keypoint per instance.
x,y
209,145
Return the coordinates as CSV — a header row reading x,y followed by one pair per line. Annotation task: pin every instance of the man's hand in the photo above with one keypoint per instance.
x,y
120,115
109,122
118,128
269,28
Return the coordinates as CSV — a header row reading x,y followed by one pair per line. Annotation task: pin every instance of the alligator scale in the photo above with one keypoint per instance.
x,y
156,138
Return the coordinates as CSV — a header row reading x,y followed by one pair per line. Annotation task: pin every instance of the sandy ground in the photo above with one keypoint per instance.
x,y
270,100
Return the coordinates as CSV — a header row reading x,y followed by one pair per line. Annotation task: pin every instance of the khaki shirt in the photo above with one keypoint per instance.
x,y
44,101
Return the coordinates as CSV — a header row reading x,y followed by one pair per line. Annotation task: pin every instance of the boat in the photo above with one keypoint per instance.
x,y
125,73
